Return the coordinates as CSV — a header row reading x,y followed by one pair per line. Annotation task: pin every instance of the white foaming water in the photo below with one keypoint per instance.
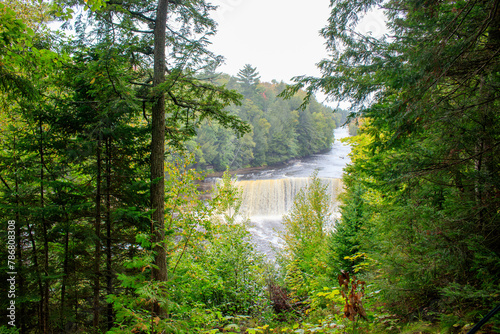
x,y
275,197
265,233
265,202
268,195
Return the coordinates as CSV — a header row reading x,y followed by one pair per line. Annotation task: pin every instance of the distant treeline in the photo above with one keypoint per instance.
x,y
280,129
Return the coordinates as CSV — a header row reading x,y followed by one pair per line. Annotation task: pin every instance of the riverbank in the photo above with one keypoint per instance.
x,y
250,170
328,164
332,158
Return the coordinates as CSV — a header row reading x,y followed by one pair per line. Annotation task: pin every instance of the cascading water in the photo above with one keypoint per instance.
x,y
267,195
265,202
275,197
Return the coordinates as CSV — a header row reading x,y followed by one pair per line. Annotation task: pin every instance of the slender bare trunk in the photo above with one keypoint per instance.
x,y
45,293
97,231
65,271
38,275
19,255
109,273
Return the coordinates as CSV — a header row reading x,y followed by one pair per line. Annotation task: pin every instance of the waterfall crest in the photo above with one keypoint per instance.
x,y
275,197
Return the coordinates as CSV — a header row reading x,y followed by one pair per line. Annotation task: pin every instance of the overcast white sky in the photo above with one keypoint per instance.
x,y
279,37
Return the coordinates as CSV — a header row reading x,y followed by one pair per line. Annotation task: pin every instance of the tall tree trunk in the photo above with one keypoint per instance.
x,y
97,231
65,270
38,275
158,150
109,273
45,294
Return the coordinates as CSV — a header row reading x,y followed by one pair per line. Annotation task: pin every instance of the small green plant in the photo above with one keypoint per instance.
x,y
8,330
326,298
134,307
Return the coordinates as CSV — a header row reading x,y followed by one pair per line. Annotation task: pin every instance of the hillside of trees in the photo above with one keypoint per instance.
x,y
280,129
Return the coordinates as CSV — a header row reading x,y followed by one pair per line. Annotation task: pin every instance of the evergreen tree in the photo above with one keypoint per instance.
x,y
248,77
178,99
429,153
77,149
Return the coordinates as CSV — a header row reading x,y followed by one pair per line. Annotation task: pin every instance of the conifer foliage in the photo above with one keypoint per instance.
x,y
81,122
248,77
422,196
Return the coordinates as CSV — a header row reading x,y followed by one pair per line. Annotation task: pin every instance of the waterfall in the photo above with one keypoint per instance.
x,y
275,197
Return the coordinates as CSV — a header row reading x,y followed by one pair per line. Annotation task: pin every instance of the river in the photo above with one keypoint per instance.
x,y
329,164
268,193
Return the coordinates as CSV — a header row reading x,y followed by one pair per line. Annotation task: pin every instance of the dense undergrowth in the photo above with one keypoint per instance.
x,y
219,284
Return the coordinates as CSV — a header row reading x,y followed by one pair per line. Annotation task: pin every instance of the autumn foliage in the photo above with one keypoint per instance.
x,y
353,295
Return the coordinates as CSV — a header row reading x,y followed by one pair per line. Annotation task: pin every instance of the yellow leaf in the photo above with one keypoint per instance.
x,y
92,81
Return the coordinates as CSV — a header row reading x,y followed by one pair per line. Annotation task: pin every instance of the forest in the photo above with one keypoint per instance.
x,y
104,132
280,130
